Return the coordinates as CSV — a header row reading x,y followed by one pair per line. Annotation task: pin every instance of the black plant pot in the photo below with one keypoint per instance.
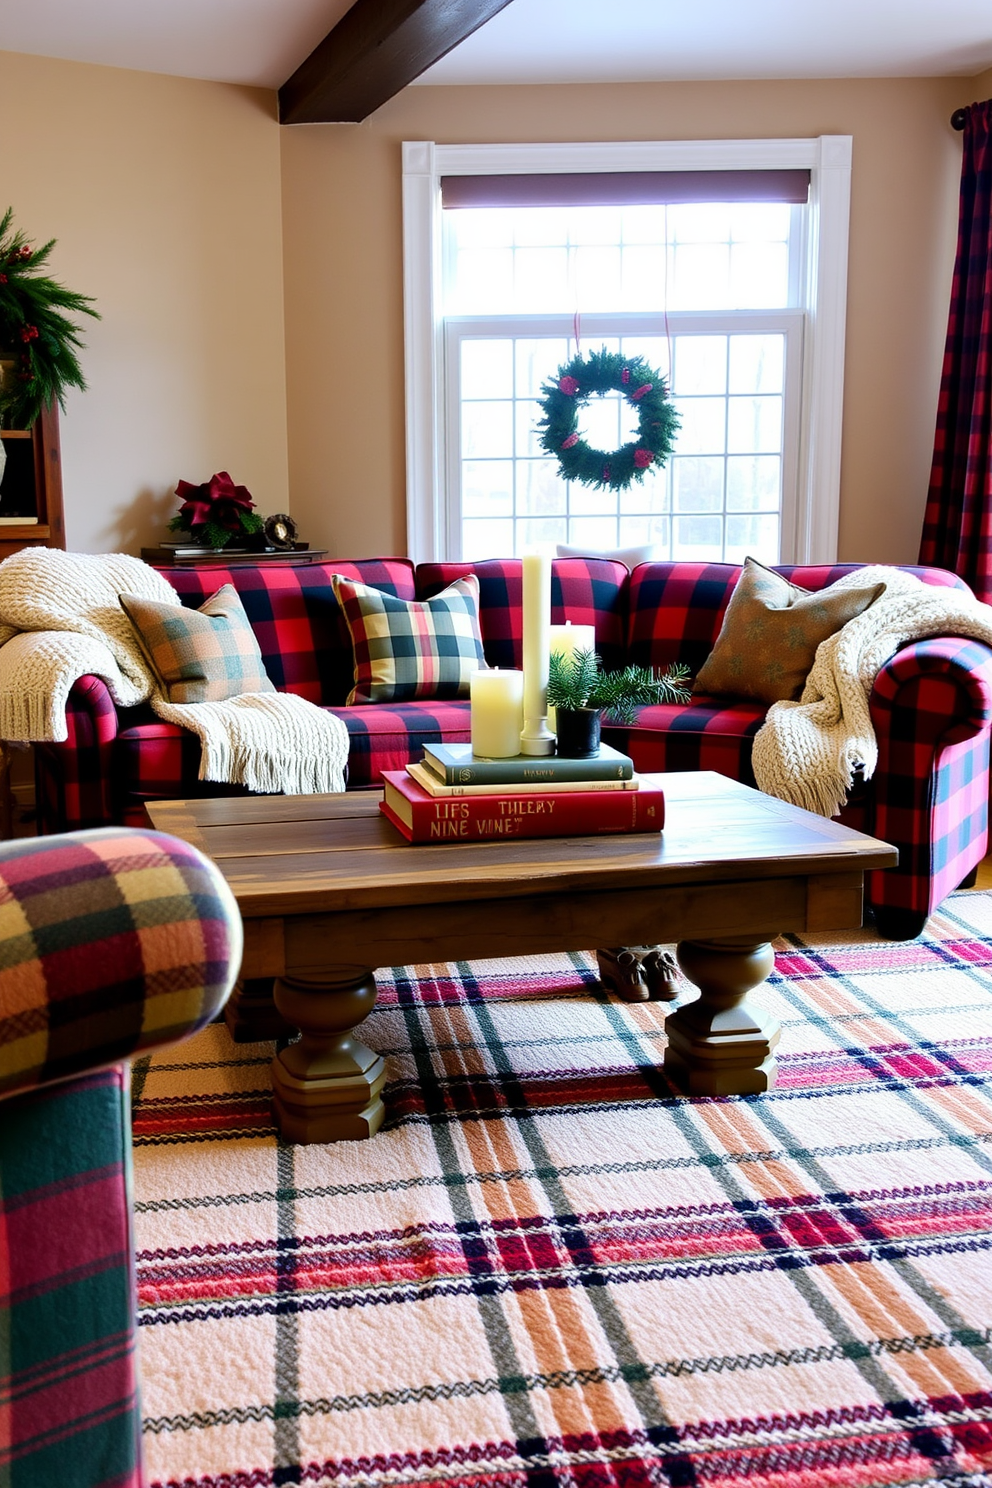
x,y
578,732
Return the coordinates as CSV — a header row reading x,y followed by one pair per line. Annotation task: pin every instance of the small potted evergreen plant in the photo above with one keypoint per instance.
x,y
583,695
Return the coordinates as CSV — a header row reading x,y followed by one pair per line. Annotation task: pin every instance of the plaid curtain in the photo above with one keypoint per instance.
x,y
957,528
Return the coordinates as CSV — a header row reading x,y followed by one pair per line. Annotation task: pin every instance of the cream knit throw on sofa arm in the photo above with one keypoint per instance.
x,y
806,752
60,619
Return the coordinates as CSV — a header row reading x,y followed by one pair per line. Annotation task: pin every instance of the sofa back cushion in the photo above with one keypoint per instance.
x,y
586,591
676,609
296,618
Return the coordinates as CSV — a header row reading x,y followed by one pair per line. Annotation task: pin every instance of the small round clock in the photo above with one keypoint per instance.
x,y
280,531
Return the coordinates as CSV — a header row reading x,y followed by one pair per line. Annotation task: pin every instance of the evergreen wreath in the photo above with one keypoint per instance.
x,y
33,322
606,372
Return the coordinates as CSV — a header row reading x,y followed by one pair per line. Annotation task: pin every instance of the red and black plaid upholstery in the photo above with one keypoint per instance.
x,y
931,708
111,942
390,736
296,618
587,591
706,734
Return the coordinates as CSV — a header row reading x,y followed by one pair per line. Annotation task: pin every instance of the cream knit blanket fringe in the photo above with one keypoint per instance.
x,y
806,752
60,620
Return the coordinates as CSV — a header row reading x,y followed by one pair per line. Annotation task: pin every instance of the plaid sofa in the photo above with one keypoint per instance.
x,y
112,942
932,704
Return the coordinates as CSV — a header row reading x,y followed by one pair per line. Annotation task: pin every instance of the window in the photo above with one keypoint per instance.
x,y
739,303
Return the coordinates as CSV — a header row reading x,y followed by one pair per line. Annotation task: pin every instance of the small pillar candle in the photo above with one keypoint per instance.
x,y
536,738
565,641
497,713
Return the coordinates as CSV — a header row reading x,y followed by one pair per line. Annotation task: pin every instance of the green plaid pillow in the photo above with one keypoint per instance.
x,y
199,656
408,648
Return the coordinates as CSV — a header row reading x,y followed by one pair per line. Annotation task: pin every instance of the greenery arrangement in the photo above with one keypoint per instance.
x,y
578,681
585,377
35,323
218,511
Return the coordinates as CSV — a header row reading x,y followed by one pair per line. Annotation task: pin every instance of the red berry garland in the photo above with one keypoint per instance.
x,y
585,377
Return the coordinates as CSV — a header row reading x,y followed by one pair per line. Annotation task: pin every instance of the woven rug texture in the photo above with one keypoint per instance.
x,y
549,1270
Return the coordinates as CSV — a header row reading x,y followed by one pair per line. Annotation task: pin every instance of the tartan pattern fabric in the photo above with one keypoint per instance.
x,y
203,655
706,734
112,763
296,618
69,1411
931,707
676,609
548,1270
409,650
957,525
384,737
587,591
74,779
110,941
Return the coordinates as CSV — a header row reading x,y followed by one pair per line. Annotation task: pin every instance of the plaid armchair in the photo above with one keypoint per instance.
x,y
111,942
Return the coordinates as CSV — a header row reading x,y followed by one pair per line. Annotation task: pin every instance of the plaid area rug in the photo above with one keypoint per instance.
x,y
548,1270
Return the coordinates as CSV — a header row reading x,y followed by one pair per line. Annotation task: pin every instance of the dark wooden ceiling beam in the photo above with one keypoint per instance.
x,y
377,48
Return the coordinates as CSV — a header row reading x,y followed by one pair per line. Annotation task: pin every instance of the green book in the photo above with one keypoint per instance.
x,y
455,764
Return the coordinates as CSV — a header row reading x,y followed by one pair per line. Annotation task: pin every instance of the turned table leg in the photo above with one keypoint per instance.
x,y
326,1085
722,1044
251,1014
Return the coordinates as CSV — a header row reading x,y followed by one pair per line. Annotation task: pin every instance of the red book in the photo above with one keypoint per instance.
x,y
422,817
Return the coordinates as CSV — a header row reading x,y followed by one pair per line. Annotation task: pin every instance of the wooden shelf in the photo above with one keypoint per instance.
x,y
33,484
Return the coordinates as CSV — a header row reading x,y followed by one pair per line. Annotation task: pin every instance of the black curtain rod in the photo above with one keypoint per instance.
x,y
959,118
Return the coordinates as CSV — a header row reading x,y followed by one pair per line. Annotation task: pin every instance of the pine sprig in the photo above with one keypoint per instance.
x,y
34,321
578,681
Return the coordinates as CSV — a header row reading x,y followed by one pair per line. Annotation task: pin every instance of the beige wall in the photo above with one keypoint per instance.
x,y
164,197
343,253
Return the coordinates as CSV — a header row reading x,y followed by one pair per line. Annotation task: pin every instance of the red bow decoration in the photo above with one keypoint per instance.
x,y
218,500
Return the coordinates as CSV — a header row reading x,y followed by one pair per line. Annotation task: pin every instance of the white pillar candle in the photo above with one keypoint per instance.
x,y
536,737
497,713
568,638
565,641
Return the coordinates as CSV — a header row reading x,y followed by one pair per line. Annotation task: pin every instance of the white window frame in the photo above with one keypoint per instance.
x,y
823,300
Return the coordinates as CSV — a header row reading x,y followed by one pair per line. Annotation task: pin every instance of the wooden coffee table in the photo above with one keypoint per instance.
x,y
329,891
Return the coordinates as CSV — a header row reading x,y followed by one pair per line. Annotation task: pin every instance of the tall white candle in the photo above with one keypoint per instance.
x,y
565,641
497,713
536,737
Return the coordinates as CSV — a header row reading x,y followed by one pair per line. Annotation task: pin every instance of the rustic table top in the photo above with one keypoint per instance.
x,y
291,855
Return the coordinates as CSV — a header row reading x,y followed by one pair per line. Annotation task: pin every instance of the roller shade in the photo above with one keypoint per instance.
x,y
624,188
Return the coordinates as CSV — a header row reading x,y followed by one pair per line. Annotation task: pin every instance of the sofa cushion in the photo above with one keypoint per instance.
x,y
587,591
405,650
770,632
384,737
296,617
157,761
701,735
199,656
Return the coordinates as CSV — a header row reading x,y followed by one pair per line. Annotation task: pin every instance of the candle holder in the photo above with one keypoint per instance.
x,y
536,738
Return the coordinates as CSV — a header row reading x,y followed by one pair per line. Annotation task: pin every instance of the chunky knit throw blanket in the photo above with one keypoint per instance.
x,y
60,620
806,752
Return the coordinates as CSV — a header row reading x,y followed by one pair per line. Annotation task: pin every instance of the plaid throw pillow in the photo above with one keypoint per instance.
x,y
199,656
408,649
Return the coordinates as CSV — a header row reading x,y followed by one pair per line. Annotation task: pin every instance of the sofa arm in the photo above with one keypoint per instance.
x,y
74,777
112,941
936,692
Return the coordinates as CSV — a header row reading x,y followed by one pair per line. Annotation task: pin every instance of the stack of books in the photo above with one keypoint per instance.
x,y
452,796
